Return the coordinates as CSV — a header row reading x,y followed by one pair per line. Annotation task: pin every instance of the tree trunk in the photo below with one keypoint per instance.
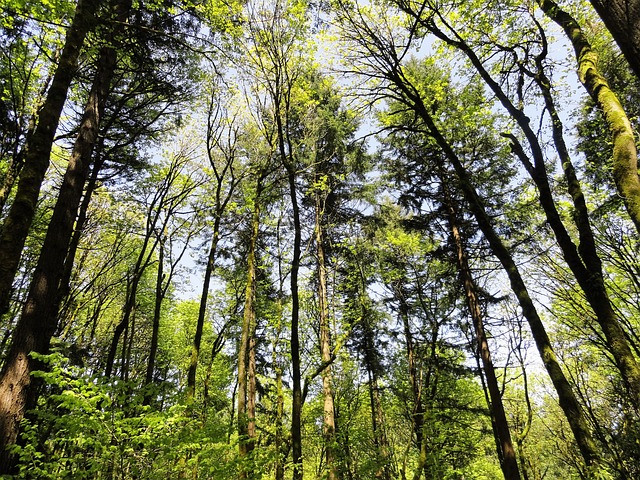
x,y
417,415
329,426
202,311
625,156
506,453
296,408
39,317
567,399
622,18
155,329
224,177
377,414
583,262
65,282
246,384
18,221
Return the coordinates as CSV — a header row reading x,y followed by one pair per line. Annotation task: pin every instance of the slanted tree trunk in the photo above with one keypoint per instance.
x,y
67,271
568,401
506,452
20,216
162,206
129,305
38,321
583,261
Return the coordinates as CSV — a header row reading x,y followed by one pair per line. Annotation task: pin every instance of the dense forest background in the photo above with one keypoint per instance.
x,y
280,239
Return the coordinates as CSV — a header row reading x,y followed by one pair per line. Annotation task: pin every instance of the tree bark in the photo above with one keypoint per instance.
x,y
622,19
296,408
20,216
38,321
371,360
568,401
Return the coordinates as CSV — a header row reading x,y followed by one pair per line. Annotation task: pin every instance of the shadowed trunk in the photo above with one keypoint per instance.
x,y
20,216
38,321
246,350
622,18
329,421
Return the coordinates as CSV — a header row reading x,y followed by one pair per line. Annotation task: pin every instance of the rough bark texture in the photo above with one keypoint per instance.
x,y
39,320
18,221
625,156
622,18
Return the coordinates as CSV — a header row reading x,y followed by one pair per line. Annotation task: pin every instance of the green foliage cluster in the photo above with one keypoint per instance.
x,y
223,126
86,428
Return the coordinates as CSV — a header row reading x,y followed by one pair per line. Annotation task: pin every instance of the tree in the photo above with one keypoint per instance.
x,y
382,61
18,221
621,18
177,181
223,139
38,323
625,156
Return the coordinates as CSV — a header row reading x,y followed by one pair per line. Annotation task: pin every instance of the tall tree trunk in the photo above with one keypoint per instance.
x,y
246,384
159,202
18,154
296,410
622,18
417,414
506,453
129,305
39,317
224,178
155,328
329,425
20,216
65,282
202,311
567,398
583,261
372,363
